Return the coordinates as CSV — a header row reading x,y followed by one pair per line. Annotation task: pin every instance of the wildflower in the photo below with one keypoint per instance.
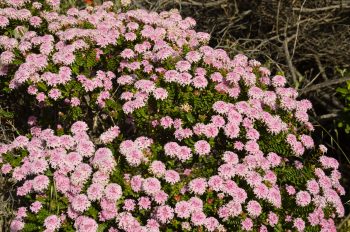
x,y
80,203
254,209
198,186
52,222
202,147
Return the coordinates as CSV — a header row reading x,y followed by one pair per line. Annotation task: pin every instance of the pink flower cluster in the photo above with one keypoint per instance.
x,y
109,135
136,151
74,162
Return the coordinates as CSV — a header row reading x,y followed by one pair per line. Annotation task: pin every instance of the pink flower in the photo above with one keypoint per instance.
x,y
166,122
216,77
261,191
278,81
307,141
40,183
183,66
329,162
158,168
80,203
254,209
196,204
16,225
312,186
198,218
263,228
144,203
4,21
164,214
220,107
171,149
151,185
36,206
52,222
62,182
184,153
231,130
247,224
274,159
109,135
215,183
172,176
134,157
290,190
160,94
127,53
186,226
35,21
187,172
193,56
226,171
199,82
198,186
299,224
95,191
130,36
152,225
238,145
85,224
40,97
183,209
21,213
79,127
230,157
303,198
113,192
32,90
202,147
323,148
6,57
129,205
136,183
160,197
54,94
211,223
6,168
272,219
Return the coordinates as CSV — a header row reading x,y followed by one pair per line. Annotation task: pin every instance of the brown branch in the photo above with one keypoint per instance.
x,y
163,4
309,10
289,62
208,4
320,67
324,84
297,30
329,116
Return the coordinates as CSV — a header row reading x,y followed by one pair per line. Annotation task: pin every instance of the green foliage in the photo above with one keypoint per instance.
x,y
344,120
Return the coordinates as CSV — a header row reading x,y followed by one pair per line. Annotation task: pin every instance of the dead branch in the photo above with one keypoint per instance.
x,y
308,10
324,84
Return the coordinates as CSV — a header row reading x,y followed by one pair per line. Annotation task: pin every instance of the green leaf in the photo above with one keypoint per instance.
x,y
42,86
342,90
91,59
102,227
92,212
5,114
190,118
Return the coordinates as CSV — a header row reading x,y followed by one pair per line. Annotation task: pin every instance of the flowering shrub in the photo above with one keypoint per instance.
x,y
181,136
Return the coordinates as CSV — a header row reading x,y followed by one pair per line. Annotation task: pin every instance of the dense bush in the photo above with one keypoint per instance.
x,y
181,136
